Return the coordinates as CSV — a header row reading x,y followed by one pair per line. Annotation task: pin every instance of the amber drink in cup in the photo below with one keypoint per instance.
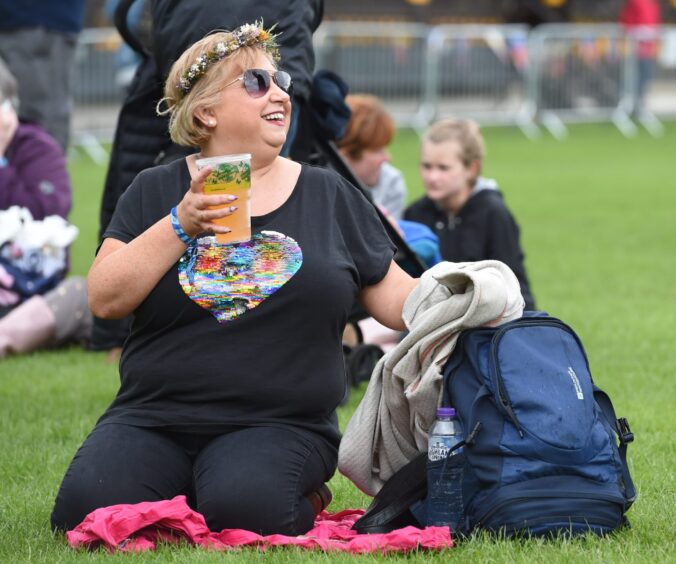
x,y
231,175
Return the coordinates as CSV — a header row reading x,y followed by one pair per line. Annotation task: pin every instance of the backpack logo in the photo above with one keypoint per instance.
x,y
576,383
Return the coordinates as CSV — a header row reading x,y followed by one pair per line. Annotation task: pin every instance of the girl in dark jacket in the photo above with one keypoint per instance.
x,y
465,210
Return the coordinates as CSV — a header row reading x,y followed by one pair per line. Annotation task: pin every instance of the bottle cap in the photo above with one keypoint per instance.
x,y
445,412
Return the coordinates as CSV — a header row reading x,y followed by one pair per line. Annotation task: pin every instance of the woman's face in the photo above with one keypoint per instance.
x,y
244,123
367,167
443,172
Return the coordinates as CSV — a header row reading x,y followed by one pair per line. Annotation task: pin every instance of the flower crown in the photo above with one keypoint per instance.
x,y
246,35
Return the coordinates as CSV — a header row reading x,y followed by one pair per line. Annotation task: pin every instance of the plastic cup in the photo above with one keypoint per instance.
x,y
231,175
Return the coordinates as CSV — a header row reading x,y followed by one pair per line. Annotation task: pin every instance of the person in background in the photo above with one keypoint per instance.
x,y
32,165
643,18
364,148
33,175
536,12
466,210
233,370
126,58
38,41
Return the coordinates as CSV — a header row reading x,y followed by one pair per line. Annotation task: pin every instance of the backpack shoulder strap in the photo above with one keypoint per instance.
x,y
390,508
624,434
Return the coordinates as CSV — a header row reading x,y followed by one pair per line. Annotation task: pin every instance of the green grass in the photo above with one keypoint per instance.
x,y
595,213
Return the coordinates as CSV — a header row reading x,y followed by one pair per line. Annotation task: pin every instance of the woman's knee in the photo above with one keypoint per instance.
x,y
258,479
263,507
72,504
119,464
82,490
77,495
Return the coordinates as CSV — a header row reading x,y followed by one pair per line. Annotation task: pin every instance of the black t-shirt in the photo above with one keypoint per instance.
x,y
250,333
483,229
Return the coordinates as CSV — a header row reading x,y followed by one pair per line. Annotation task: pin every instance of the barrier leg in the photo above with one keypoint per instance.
x,y
554,125
91,145
527,125
623,122
650,122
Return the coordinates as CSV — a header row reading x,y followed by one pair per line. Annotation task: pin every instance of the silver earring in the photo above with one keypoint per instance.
x,y
212,123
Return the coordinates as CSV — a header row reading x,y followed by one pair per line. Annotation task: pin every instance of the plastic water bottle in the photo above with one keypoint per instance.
x,y
444,474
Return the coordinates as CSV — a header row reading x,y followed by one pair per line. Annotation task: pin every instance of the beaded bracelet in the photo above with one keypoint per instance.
x,y
176,224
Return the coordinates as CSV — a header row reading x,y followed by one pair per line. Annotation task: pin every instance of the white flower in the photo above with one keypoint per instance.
x,y
247,28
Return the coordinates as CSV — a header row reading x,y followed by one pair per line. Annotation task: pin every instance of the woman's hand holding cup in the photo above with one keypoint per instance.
x,y
195,211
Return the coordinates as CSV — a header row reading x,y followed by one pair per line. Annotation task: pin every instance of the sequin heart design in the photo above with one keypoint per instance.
x,y
229,280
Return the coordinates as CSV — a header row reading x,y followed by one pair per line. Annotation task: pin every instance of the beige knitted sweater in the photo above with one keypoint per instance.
x,y
389,427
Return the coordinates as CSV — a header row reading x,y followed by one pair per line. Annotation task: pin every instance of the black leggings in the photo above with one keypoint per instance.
x,y
252,478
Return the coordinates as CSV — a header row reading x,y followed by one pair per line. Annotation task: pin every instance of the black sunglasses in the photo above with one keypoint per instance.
x,y
257,82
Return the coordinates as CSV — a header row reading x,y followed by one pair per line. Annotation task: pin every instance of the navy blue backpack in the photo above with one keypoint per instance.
x,y
544,453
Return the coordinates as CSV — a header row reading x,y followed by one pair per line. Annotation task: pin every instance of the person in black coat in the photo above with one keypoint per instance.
x,y
142,138
465,210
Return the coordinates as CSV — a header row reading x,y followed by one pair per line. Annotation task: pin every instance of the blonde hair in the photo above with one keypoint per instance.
x,y
9,89
465,132
184,128
370,126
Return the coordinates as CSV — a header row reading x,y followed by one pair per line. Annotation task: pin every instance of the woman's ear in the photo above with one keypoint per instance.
x,y
475,169
206,116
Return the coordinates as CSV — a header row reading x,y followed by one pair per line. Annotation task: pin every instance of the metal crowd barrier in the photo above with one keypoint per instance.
x,y
387,60
97,95
580,73
479,72
497,74
653,72
601,73
506,74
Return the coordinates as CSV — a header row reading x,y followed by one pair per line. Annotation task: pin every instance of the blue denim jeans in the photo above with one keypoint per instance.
x,y
253,478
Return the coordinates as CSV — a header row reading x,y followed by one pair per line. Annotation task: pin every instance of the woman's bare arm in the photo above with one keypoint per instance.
x,y
385,300
123,275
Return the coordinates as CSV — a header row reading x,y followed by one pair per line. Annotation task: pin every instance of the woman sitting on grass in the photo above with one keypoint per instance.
x,y
364,147
465,210
233,407
33,176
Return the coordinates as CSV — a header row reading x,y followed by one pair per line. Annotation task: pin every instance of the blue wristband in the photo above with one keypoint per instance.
x,y
3,162
176,224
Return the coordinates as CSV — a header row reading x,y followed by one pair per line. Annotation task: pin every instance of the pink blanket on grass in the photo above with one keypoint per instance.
x,y
137,527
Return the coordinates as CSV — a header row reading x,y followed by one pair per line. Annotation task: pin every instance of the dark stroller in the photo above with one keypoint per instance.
x,y
320,124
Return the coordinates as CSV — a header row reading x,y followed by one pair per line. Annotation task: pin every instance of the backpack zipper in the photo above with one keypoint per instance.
x,y
544,495
496,376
